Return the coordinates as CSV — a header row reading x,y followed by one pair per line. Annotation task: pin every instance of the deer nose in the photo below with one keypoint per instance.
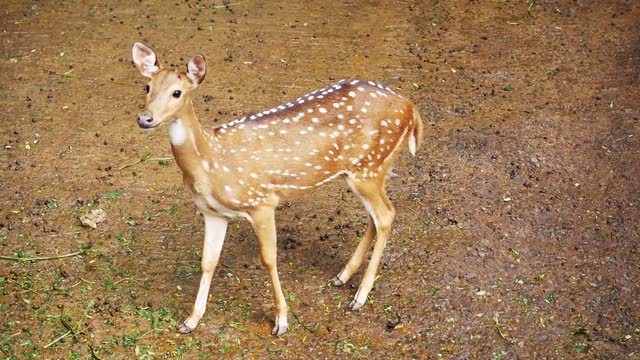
x,y
145,120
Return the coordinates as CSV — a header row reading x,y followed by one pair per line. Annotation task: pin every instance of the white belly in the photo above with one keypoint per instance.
x,y
208,204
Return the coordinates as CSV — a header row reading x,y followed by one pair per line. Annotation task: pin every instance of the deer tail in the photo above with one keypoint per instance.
x,y
415,139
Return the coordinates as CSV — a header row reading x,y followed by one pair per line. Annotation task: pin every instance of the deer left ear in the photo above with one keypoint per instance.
x,y
196,70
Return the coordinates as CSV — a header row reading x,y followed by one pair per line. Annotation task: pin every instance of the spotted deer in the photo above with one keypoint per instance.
x,y
353,130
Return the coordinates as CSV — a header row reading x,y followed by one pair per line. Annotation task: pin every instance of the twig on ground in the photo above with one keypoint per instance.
x,y
528,13
93,353
9,338
57,339
499,328
237,326
228,5
40,258
85,313
126,279
295,316
149,332
160,159
141,160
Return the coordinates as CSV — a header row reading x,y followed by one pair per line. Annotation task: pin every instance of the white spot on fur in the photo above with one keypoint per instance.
x,y
177,133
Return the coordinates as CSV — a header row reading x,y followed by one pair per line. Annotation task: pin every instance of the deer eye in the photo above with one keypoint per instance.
x,y
177,93
146,89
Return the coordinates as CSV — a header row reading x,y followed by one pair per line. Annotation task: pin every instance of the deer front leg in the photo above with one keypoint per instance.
x,y
263,222
215,228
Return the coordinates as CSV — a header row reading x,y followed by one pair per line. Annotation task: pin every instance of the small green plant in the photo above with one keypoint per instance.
x,y
53,204
290,297
143,352
581,347
113,341
346,347
130,339
112,195
108,284
125,243
73,355
247,309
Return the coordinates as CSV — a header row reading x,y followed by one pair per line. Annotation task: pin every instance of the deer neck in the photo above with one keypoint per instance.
x,y
190,143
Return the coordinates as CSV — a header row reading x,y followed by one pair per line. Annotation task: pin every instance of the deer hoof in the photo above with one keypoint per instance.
x,y
355,305
279,330
337,281
184,329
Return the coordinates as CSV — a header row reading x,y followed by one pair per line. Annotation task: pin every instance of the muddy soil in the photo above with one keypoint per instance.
x,y
517,224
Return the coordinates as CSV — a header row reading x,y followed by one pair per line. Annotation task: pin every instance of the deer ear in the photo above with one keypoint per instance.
x,y
196,70
145,59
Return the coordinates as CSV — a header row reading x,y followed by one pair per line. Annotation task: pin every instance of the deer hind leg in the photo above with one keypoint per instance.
x,y
371,193
263,222
215,228
358,255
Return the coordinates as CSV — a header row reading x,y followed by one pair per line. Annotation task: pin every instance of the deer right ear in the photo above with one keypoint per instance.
x,y
145,59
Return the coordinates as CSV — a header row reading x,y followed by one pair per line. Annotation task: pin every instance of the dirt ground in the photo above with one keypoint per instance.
x,y
517,224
